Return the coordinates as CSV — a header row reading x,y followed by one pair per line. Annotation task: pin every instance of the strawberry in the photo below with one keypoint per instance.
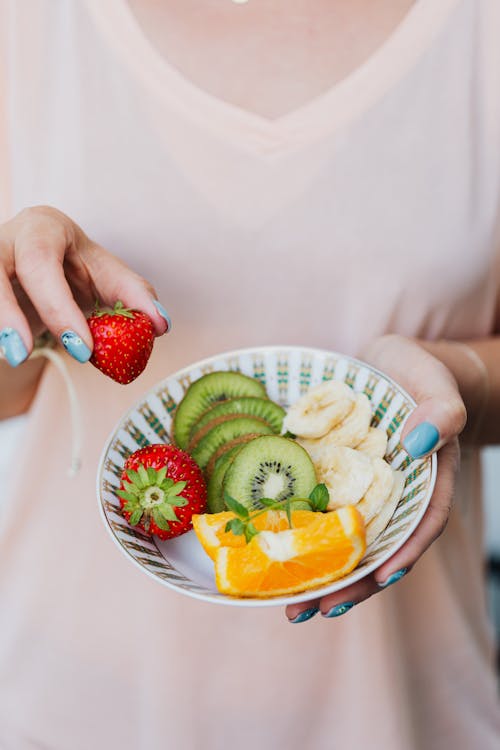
x,y
123,342
161,487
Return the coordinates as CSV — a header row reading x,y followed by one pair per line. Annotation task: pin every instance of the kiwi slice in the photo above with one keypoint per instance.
x,y
239,441
205,392
262,408
269,466
214,422
215,498
224,433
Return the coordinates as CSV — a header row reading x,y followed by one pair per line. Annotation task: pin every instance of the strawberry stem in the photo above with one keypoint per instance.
x,y
118,309
150,494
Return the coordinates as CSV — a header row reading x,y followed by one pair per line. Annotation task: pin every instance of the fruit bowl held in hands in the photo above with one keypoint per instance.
x,y
287,373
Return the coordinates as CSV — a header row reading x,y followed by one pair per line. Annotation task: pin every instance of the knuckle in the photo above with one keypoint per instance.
x,y
45,219
457,414
33,214
38,257
41,211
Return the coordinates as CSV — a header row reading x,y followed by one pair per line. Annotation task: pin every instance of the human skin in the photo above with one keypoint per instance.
x,y
268,56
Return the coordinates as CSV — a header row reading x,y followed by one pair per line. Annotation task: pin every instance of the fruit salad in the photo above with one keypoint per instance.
x,y
281,501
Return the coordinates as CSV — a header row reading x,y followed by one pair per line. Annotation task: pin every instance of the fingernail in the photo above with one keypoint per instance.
x,y
75,346
421,440
12,347
164,314
305,615
339,609
394,578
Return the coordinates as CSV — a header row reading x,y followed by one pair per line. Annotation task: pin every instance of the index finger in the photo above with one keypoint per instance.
x,y
39,268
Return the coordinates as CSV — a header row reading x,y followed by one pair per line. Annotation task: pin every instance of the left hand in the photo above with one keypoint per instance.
x,y
434,425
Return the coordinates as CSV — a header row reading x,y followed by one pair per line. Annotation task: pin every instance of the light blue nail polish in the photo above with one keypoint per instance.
x,y
75,346
394,578
339,609
12,347
305,615
164,314
421,440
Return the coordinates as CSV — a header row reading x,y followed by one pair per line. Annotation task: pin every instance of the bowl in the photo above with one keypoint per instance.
x,y
287,372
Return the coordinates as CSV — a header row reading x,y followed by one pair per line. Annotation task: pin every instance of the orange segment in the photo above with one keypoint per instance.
x,y
293,560
210,527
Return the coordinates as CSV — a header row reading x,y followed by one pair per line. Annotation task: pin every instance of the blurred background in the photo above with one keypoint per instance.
x,y
11,431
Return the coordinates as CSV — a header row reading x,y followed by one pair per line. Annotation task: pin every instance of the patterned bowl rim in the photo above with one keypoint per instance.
x,y
277,600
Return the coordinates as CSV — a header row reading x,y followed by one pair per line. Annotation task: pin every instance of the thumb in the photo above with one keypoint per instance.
x,y
436,420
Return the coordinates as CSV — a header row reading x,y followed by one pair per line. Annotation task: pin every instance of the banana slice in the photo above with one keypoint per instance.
x,y
375,443
320,409
347,475
380,521
351,431
379,490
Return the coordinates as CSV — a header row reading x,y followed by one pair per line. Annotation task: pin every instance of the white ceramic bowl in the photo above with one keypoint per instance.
x,y
287,372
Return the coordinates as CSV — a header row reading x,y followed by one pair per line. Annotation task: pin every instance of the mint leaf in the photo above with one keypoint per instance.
x,y
320,498
236,526
250,531
268,502
288,512
237,508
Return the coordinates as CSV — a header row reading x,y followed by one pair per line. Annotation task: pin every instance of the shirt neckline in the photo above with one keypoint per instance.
x,y
321,116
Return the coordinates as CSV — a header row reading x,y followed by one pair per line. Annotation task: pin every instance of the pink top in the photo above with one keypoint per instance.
x,y
373,208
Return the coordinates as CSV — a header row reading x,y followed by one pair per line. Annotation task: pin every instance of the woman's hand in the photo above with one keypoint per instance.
x,y
434,425
50,274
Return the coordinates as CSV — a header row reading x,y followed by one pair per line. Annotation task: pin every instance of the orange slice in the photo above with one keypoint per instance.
x,y
293,560
210,527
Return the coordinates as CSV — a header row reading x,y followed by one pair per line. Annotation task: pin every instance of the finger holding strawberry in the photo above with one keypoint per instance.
x,y
161,488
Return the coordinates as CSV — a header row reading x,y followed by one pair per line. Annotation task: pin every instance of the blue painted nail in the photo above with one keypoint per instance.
x,y
421,440
75,346
305,615
164,314
394,578
339,609
12,347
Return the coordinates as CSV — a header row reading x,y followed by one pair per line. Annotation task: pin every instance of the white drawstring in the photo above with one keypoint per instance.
x,y
75,413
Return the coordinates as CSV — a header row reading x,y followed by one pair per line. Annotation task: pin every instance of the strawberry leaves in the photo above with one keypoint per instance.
x,y
149,492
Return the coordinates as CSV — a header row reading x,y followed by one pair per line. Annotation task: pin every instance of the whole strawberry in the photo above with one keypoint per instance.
x,y
161,487
123,342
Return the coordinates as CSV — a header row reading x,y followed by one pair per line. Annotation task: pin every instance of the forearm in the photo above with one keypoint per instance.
x,y
479,387
18,386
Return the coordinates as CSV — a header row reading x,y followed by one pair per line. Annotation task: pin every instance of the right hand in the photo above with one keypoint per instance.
x,y
50,274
